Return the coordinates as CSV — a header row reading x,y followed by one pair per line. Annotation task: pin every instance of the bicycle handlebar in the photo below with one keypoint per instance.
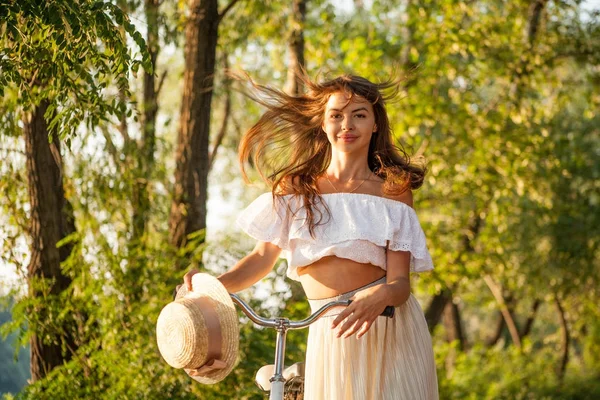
x,y
387,312
276,322
282,325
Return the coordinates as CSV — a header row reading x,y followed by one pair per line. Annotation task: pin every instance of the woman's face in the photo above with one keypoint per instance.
x,y
349,122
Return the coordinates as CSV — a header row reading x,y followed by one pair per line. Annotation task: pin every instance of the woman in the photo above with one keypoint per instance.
x,y
341,212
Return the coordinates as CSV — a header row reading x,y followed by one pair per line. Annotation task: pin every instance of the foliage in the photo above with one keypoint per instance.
x,y
69,53
508,123
495,373
120,358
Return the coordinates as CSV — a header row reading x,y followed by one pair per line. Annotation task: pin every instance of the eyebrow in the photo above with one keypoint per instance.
x,y
358,109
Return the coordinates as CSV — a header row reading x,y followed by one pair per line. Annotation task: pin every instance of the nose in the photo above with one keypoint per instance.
x,y
347,125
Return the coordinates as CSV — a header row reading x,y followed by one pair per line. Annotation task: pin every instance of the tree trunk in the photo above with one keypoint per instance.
x,y
188,208
296,48
565,338
530,318
535,15
145,155
535,11
453,324
454,331
51,221
434,311
436,307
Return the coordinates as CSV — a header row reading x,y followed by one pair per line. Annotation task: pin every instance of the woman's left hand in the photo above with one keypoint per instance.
x,y
366,306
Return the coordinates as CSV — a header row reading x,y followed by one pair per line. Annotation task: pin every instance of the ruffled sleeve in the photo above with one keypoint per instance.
x,y
266,220
407,235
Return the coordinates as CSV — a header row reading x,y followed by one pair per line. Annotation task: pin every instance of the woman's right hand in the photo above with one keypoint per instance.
x,y
187,278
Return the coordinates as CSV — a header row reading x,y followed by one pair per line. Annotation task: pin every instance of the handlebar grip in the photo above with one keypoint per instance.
x,y
388,312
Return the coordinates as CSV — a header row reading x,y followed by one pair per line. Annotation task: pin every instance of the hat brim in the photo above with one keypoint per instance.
x,y
205,285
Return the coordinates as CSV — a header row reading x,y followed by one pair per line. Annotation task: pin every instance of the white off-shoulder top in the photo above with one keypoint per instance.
x,y
360,227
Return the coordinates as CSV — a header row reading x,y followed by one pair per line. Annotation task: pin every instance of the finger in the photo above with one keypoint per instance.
x,y
347,325
364,329
355,327
187,279
341,316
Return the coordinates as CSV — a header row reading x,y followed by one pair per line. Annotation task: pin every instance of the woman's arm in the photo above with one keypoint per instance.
x,y
247,271
398,266
398,277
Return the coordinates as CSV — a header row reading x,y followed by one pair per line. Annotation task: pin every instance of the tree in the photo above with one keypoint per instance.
x,y
509,206
51,221
188,209
45,54
296,47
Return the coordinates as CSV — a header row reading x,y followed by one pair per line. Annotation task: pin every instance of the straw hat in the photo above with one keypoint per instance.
x,y
199,330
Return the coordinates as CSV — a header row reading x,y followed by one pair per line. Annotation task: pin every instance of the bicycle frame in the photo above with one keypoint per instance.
x,y
282,325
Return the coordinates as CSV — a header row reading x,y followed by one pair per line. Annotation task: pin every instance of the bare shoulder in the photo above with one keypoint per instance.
x,y
375,187
405,197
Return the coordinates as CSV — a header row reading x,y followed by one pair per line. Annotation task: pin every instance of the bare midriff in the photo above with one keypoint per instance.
x,y
330,276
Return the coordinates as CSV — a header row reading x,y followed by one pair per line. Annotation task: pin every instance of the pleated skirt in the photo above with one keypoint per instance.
x,y
393,360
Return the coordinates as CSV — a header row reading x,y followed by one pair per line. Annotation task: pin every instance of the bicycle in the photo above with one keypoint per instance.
x,y
282,325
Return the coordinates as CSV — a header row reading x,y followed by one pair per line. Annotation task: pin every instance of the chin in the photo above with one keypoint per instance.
x,y
350,148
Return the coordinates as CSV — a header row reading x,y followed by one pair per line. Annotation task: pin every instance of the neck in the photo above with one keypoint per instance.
x,y
346,167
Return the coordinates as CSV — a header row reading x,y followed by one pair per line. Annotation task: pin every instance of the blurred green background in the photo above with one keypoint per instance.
x,y
501,98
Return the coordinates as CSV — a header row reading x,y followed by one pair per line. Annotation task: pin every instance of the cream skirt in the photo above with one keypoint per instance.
x,y
393,360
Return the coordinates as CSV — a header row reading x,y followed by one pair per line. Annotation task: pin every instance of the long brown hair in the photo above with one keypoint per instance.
x,y
290,150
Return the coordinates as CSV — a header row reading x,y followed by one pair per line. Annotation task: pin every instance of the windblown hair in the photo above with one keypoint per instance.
x,y
290,150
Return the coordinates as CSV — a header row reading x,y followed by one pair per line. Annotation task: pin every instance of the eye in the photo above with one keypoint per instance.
x,y
335,116
360,115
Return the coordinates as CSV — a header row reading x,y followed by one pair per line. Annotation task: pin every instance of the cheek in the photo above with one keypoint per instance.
x,y
328,126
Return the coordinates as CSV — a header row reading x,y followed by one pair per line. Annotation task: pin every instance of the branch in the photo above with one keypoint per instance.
x,y
123,127
222,131
438,302
33,79
535,15
566,338
226,9
497,331
160,83
237,126
530,318
534,20
573,53
510,322
226,113
112,149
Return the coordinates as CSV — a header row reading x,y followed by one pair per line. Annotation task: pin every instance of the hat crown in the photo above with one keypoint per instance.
x,y
190,328
182,334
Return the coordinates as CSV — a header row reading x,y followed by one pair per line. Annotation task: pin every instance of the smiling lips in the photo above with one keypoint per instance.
x,y
347,138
